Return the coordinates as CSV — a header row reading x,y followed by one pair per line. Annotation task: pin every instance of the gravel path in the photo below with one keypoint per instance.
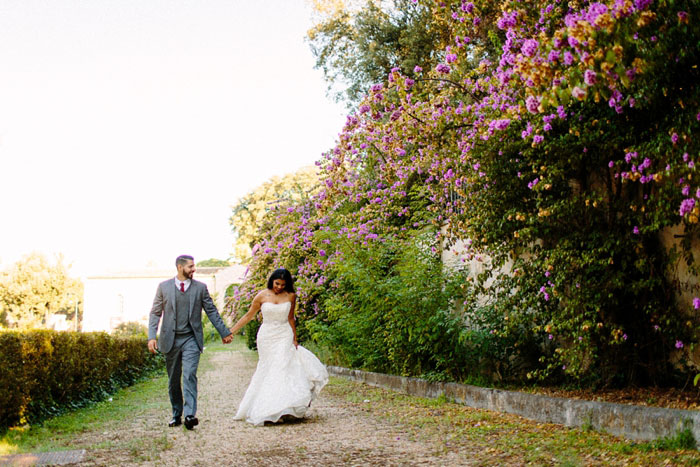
x,y
335,432
350,424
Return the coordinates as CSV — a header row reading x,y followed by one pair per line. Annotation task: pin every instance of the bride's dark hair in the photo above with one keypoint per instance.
x,y
283,274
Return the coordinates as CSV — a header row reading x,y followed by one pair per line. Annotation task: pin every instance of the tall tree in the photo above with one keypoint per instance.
x,y
33,289
356,44
249,211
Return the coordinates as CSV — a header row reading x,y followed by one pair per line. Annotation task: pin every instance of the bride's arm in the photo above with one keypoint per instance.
x,y
252,311
292,323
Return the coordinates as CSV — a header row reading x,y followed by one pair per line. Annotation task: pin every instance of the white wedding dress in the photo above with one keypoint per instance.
x,y
286,379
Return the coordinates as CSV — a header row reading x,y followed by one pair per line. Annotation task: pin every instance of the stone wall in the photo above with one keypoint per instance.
x,y
629,421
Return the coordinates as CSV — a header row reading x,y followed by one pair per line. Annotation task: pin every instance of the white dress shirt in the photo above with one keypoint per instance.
x,y
187,283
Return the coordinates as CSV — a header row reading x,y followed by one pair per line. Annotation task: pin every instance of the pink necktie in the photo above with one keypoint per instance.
x,y
182,287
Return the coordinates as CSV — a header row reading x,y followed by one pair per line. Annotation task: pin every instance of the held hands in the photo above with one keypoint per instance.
x,y
152,346
228,339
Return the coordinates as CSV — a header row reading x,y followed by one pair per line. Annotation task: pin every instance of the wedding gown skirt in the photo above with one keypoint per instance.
x,y
286,379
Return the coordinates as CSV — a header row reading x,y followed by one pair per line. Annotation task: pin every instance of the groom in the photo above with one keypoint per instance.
x,y
180,301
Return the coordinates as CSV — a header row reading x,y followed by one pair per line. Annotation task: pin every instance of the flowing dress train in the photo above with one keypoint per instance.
x,y
286,379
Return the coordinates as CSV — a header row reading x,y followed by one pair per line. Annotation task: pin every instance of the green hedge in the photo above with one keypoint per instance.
x,y
43,373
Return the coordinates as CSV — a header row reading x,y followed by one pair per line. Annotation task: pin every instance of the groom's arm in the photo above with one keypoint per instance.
x,y
154,319
214,316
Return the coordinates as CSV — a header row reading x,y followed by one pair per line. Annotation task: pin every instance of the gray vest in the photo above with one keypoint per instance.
x,y
182,312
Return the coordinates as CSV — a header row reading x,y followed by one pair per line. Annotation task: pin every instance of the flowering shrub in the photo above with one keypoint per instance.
x,y
559,139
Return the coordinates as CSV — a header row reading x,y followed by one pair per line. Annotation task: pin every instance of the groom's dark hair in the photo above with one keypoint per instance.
x,y
183,259
285,275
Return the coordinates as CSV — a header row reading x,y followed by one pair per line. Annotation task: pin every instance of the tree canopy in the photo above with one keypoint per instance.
x,y
249,211
357,45
213,262
33,289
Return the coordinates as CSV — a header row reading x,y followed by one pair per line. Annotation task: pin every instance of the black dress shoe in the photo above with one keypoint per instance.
x,y
191,422
176,421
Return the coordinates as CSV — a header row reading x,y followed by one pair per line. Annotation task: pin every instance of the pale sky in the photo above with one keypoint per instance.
x,y
128,128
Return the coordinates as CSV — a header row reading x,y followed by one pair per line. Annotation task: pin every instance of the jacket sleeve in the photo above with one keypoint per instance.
x,y
213,313
156,313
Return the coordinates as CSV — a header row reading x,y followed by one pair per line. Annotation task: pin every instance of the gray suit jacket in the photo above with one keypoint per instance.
x,y
164,305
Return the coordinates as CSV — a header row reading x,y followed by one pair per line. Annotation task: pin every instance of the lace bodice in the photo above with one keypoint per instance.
x,y
275,312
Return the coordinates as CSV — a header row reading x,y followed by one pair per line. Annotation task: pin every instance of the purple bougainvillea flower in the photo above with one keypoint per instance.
x,y
635,230
679,344
687,205
568,58
532,103
529,47
442,68
589,77
561,112
501,124
642,4
578,93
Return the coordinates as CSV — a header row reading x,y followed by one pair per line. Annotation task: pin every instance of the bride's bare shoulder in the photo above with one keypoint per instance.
x,y
262,295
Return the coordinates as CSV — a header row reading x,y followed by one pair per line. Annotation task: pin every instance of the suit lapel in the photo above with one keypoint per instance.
x,y
170,290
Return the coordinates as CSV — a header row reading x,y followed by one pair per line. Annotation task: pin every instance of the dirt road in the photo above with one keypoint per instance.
x,y
335,432
350,424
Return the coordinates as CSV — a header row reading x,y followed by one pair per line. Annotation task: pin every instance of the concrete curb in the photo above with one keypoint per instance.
x,y
630,421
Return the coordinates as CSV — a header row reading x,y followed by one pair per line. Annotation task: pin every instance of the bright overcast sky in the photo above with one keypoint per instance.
x,y
129,127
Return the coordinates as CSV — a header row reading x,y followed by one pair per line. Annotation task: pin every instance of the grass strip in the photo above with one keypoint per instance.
x,y
491,438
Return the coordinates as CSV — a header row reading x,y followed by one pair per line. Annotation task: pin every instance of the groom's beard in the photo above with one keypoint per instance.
x,y
188,275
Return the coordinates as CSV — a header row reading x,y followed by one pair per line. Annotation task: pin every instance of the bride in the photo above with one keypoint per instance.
x,y
288,377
